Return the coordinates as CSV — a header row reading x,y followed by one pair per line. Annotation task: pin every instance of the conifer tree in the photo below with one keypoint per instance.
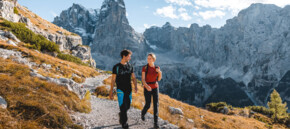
x,y
279,109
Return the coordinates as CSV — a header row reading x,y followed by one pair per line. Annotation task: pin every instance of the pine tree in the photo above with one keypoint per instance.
x,y
279,109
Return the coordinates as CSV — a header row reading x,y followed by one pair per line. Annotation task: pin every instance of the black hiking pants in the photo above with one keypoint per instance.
x,y
148,94
124,100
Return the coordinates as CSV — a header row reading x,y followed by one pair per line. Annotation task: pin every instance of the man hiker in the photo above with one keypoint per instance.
x,y
122,73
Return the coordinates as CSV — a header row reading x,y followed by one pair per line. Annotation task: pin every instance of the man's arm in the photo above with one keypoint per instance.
x,y
135,82
112,85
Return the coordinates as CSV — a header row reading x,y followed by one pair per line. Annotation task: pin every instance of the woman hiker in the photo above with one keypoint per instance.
x,y
151,74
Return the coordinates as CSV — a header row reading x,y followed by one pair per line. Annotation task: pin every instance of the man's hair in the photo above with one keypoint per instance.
x,y
152,55
125,52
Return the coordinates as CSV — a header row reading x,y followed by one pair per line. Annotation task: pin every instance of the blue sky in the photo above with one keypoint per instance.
x,y
145,13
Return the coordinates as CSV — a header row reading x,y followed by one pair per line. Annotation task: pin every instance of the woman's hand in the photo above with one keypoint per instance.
x,y
148,88
158,70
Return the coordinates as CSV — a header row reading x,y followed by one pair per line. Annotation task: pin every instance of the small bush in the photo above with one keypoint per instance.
x,y
224,119
15,11
217,107
109,72
261,109
70,58
103,91
74,34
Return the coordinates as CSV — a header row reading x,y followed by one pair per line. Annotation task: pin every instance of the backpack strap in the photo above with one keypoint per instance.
x,y
117,70
146,71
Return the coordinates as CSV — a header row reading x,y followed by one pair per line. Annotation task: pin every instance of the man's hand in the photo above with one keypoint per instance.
x,y
111,94
112,86
135,82
136,89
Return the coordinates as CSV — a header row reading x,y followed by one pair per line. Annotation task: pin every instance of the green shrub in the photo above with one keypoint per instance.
x,y
15,10
224,118
74,34
108,72
70,58
261,109
27,36
217,107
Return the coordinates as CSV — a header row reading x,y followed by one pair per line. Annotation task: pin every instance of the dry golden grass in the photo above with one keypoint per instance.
x,y
41,23
66,68
36,101
78,79
210,120
102,91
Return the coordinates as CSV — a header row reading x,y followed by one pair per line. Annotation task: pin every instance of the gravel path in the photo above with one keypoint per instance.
x,y
104,114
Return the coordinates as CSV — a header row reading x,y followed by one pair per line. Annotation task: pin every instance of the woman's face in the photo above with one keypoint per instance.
x,y
150,59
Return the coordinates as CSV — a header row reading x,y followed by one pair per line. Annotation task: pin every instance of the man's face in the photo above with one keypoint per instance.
x,y
127,58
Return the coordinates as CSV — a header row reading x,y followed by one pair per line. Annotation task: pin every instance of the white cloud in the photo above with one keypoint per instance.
x,y
180,2
211,14
146,7
181,10
195,14
183,14
168,11
197,7
236,5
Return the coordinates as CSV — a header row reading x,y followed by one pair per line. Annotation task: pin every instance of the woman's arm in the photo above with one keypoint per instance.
x,y
159,73
144,82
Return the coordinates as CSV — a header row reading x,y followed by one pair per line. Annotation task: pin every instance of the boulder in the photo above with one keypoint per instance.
x,y
173,110
3,103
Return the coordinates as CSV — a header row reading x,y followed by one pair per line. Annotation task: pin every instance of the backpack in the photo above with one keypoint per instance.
x,y
146,71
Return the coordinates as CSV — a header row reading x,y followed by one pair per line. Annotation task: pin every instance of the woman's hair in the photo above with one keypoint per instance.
x,y
152,55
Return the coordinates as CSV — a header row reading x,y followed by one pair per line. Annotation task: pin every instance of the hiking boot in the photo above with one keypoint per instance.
x,y
156,126
125,126
143,117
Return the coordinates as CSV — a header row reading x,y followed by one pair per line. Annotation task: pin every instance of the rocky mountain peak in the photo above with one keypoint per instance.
x,y
258,11
113,10
167,24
